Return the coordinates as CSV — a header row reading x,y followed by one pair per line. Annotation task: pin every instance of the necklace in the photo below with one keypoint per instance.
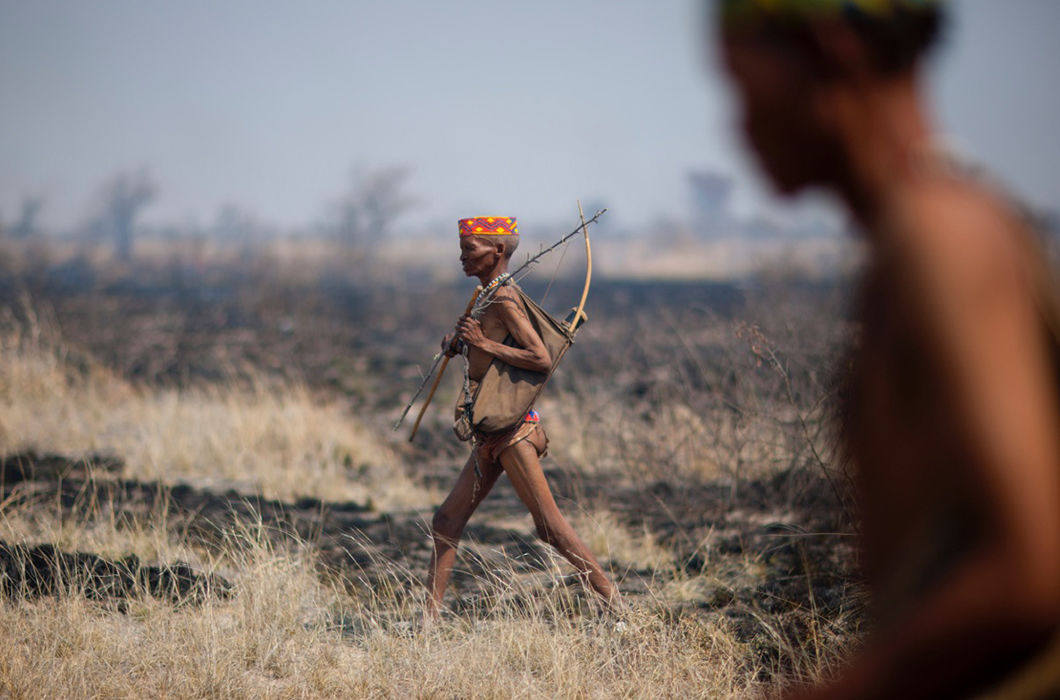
x,y
488,289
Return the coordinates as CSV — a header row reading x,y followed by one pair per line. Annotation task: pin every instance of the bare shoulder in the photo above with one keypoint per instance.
x,y
506,293
507,302
504,309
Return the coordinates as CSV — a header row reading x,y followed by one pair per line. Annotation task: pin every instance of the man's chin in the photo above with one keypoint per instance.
x,y
786,184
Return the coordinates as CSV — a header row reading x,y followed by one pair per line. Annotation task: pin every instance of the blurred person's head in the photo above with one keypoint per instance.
x,y
798,65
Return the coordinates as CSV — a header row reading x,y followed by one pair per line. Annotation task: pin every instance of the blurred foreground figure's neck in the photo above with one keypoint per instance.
x,y
885,133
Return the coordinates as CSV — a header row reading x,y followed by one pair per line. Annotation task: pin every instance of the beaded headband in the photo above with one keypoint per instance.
x,y
806,9
489,226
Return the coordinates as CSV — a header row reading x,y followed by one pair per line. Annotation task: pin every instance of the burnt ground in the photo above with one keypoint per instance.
x,y
42,570
32,571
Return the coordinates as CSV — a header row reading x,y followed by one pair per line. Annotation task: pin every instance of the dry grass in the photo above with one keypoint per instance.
x,y
258,437
268,640
603,533
238,649
286,632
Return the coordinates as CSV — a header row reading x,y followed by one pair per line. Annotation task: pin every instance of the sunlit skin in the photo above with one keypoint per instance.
x,y
953,404
485,259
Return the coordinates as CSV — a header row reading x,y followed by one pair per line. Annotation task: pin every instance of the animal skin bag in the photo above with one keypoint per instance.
x,y
506,393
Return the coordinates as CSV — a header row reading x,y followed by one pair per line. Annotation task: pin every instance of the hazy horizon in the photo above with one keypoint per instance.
x,y
520,110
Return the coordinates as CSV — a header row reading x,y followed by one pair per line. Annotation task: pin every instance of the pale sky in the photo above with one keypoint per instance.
x,y
511,108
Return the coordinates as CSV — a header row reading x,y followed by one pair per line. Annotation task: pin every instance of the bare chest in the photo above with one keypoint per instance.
x,y
494,329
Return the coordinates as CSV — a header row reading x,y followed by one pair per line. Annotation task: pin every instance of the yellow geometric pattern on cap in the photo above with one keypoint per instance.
x,y
489,226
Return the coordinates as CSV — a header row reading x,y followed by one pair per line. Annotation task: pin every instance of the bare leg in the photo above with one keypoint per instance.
x,y
449,521
523,467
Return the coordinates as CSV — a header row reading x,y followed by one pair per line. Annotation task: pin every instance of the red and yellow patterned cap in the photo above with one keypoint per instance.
x,y
489,226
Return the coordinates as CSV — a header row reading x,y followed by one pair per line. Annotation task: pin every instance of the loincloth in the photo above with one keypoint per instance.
x,y
531,430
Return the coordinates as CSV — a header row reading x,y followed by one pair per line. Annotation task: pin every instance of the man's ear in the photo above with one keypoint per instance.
x,y
502,248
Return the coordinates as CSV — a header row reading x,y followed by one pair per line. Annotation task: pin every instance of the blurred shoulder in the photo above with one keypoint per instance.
x,y
959,233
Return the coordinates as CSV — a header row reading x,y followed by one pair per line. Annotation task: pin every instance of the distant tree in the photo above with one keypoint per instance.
x,y
123,197
29,215
375,200
234,224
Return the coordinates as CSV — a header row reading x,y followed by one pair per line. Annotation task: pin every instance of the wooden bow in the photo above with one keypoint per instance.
x,y
579,313
441,370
